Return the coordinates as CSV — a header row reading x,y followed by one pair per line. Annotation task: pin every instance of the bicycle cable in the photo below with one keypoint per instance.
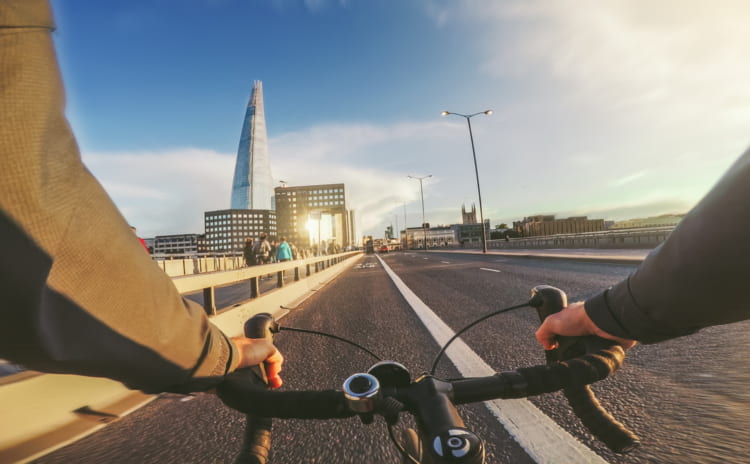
x,y
335,337
400,447
445,347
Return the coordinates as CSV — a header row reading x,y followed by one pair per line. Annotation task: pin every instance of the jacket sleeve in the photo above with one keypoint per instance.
x,y
81,296
697,278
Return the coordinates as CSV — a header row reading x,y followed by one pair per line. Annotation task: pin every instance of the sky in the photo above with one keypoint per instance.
x,y
612,109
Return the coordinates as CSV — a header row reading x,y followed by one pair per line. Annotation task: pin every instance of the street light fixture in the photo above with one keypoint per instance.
x,y
421,192
476,170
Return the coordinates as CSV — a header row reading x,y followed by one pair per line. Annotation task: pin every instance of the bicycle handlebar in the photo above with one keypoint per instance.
x,y
571,368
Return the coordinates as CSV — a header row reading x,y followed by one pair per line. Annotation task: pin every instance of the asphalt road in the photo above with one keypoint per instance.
x,y
687,399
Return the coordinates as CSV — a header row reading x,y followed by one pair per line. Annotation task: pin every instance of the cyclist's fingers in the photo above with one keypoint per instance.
x,y
572,320
546,338
273,368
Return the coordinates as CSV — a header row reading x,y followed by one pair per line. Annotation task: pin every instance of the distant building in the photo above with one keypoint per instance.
x,y
227,229
654,221
179,244
471,232
542,225
309,215
252,187
440,236
470,217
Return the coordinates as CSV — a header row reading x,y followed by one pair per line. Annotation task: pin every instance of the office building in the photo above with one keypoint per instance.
x,y
469,233
439,236
252,187
190,244
313,215
227,230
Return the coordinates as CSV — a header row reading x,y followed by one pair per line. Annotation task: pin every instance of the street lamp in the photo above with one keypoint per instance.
x,y
476,170
421,192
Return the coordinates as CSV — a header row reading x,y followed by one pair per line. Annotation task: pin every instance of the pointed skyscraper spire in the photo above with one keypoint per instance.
x,y
252,187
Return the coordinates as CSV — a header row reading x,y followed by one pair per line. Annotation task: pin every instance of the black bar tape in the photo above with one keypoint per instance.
x,y
257,442
536,380
599,422
579,371
239,392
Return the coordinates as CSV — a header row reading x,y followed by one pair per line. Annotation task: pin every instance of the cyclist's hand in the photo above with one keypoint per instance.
x,y
254,351
573,321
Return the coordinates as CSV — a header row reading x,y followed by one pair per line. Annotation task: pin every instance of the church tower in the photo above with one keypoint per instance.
x,y
470,217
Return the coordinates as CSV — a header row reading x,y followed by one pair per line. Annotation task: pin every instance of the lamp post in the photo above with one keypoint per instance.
x,y
476,170
406,231
421,192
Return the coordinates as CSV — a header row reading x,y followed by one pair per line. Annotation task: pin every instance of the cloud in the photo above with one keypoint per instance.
x,y
628,179
625,211
165,192
674,56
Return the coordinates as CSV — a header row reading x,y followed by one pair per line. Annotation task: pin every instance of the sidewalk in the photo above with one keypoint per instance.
x,y
583,254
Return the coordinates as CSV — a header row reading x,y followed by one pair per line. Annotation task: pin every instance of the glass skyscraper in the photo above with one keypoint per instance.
x,y
252,187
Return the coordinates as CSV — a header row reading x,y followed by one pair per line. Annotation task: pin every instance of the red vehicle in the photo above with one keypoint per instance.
x,y
384,249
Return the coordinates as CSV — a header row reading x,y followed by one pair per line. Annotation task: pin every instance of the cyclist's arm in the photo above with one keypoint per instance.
x,y
79,294
697,278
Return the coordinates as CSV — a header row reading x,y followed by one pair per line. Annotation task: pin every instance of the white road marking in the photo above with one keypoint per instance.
x,y
541,437
365,266
445,262
488,269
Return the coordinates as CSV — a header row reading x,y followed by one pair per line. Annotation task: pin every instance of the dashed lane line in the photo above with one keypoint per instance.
x,y
541,437
488,269
445,262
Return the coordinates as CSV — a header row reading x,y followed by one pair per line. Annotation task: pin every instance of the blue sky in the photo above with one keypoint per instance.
x,y
615,109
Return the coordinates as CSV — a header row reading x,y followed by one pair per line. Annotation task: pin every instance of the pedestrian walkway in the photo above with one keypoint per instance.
x,y
583,254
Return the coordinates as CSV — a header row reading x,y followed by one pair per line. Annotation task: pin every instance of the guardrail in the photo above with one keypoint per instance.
x,y
208,282
179,265
612,239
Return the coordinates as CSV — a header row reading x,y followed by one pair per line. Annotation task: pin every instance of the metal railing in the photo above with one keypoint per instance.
x,y
624,238
207,282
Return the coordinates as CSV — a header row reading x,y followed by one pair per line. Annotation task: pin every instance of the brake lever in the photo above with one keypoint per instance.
x,y
262,325
549,300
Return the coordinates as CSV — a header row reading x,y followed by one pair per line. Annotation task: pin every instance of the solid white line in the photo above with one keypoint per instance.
x,y
487,269
541,437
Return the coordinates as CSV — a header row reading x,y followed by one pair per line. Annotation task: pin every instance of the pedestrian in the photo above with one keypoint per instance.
x,y
262,250
283,251
143,242
248,253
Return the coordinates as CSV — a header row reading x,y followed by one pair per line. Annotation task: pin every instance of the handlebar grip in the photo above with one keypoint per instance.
x,y
600,423
549,300
240,390
262,325
257,440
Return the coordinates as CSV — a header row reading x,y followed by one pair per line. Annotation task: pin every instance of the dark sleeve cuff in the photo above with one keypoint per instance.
x,y
616,312
598,310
